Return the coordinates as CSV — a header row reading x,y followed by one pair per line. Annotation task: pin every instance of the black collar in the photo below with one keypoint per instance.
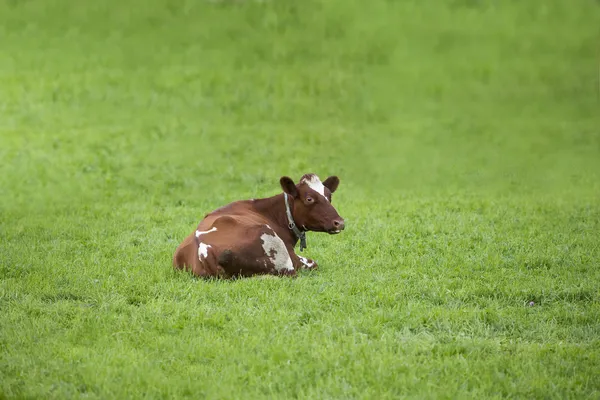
x,y
292,225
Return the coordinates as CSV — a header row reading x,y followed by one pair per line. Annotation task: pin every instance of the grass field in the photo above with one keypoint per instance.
x,y
467,138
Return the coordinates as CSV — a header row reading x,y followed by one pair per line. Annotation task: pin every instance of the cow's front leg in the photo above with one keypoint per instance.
x,y
303,262
308,263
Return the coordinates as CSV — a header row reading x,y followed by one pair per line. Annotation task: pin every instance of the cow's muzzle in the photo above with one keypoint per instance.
x,y
338,226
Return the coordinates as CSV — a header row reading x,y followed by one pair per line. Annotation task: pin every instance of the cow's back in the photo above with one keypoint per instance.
x,y
240,211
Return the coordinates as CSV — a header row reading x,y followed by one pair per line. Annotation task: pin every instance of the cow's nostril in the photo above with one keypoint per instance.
x,y
339,224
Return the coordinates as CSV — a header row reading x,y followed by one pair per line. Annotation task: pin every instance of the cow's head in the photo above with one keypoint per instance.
x,y
312,209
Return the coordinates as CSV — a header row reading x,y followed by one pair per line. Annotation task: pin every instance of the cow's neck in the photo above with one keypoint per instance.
x,y
274,209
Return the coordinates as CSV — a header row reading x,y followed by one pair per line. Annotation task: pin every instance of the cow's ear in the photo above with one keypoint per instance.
x,y
332,183
288,186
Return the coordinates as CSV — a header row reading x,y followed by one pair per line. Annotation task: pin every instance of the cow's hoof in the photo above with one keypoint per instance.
x,y
313,266
307,263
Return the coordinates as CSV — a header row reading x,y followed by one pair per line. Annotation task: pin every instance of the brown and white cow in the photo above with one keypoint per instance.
x,y
253,237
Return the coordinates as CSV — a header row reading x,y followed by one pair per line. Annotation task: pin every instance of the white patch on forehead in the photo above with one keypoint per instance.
x,y
203,250
275,249
315,184
306,263
198,233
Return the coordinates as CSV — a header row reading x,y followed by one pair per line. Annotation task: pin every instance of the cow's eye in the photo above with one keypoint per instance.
x,y
309,199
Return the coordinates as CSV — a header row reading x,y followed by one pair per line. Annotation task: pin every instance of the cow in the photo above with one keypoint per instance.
x,y
258,236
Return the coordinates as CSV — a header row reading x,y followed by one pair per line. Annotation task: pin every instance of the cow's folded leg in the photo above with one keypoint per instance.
x,y
303,262
308,263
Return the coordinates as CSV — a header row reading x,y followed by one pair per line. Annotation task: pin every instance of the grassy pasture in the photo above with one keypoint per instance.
x,y
467,138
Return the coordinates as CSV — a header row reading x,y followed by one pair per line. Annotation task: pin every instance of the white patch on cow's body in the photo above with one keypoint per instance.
x,y
203,250
306,263
315,184
198,233
275,249
203,247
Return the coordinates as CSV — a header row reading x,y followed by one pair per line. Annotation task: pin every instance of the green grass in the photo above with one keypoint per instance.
x,y
467,138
